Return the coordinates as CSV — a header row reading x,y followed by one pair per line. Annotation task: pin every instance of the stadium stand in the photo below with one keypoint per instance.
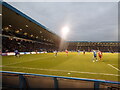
x,y
104,46
25,34
28,35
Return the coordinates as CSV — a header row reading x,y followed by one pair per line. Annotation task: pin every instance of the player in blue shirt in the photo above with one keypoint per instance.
x,y
94,56
55,53
78,52
16,53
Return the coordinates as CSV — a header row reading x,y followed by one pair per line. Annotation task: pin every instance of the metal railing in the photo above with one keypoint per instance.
x,y
22,80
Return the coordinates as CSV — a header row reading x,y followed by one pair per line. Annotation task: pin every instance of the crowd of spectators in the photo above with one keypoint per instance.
x,y
11,44
101,48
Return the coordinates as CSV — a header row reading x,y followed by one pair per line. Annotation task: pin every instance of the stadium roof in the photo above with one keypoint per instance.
x,y
19,21
93,41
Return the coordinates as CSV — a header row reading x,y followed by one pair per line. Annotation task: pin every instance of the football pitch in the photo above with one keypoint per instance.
x,y
73,65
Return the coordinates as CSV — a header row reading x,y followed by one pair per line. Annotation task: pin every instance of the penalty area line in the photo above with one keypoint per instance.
x,y
113,67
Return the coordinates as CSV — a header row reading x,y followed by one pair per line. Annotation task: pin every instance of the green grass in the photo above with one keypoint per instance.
x,y
77,65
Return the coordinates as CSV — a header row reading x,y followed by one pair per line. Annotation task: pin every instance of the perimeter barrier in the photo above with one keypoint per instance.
x,y
28,81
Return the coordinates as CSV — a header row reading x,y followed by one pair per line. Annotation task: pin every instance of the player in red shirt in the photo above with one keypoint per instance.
x,y
83,51
66,52
100,55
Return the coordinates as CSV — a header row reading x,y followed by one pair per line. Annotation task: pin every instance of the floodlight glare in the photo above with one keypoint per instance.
x,y
65,30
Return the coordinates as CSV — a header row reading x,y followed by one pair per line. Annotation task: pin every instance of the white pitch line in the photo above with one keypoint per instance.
x,y
113,67
27,61
63,71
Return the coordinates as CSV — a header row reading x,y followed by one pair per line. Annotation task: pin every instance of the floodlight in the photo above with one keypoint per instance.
x,y
65,30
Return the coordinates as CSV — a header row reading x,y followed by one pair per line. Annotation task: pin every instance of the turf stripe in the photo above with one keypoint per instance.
x,y
64,71
28,61
113,67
